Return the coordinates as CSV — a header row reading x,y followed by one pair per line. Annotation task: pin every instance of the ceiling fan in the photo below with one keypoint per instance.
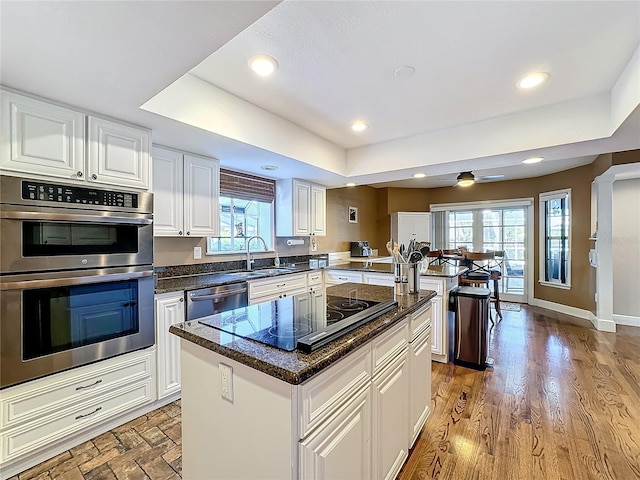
x,y
465,179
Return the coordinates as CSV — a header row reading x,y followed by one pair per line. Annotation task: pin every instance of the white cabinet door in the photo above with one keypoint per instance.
x,y
438,341
201,196
169,311
341,446
407,226
40,138
390,418
419,383
168,193
318,210
301,208
118,154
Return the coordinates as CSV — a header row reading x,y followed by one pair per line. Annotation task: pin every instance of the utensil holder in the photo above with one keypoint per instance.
x,y
414,277
401,278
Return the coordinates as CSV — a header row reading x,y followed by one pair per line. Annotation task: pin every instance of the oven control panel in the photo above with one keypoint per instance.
x,y
51,192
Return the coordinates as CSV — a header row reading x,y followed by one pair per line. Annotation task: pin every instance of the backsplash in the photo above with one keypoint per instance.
x,y
212,267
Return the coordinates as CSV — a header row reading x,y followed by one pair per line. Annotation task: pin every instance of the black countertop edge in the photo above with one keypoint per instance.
x,y
297,367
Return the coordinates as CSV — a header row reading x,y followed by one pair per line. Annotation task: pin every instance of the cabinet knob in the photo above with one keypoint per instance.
x,y
180,232
182,299
188,233
79,174
94,177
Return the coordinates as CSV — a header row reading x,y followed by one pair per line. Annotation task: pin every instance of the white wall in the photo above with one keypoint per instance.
x,y
626,251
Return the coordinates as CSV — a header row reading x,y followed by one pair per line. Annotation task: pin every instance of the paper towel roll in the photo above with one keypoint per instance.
x,y
295,241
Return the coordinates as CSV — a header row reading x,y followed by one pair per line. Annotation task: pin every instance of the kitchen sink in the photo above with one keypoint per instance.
x,y
260,273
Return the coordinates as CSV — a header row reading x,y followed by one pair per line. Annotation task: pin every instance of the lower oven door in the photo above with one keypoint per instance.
x,y
54,321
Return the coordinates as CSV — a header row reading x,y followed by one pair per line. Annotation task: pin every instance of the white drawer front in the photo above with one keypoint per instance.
x,y
388,346
342,276
435,285
33,435
322,395
314,278
51,394
278,285
419,321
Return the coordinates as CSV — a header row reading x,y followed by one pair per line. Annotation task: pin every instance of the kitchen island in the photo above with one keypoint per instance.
x,y
350,409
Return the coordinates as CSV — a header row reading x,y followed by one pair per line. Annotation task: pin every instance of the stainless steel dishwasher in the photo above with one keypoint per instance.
x,y
208,301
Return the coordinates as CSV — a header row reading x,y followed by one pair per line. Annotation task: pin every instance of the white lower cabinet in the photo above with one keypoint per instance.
x,y
44,417
169,311
420,383
341,446
334,277
383,279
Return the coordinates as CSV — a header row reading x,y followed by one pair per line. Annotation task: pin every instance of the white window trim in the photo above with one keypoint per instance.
x,y
544,197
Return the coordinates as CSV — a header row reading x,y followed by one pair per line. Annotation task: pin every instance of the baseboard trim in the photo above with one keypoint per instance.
x,y
598,323
629,320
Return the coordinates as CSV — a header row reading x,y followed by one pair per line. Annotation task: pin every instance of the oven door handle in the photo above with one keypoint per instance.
x,y
63,281
216,296
74,217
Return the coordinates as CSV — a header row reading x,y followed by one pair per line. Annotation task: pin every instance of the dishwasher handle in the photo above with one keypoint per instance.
x,y
214,296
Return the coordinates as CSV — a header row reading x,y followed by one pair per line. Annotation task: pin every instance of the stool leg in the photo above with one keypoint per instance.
x,y
496,294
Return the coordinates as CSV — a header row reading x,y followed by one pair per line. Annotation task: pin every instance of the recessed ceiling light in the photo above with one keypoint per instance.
x,y
533,80
533,160
359,126
263,65
351,184
269,167
419,175
404,72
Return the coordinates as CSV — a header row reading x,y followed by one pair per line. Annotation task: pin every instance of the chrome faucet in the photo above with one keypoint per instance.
x,y
249,259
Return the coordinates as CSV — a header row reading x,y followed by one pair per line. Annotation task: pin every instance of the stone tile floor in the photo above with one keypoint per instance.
x,y
148,447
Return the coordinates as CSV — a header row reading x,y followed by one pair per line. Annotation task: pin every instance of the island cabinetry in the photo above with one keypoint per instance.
x,y
390,386
301,208
277,287
41,138
385,279
334,277
420,372
186,194
440,305
44,417
170,309
351,420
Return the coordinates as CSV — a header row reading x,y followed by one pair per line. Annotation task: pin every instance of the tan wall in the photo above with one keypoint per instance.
x,y
339,231
179,251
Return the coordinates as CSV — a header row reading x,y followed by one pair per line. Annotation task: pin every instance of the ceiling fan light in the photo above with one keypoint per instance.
x,y
466,179
419,175
531,160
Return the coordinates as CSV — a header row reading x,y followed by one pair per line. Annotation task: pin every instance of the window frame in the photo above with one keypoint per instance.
x,y
543,278
271,241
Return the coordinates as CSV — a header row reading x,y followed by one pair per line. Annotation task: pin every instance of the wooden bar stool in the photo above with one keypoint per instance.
x,y
479,275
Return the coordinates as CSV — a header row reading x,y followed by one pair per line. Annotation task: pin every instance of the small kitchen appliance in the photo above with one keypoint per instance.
x,y
360,248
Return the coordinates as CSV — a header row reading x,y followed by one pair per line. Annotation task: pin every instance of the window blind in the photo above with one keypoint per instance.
x,y
247,187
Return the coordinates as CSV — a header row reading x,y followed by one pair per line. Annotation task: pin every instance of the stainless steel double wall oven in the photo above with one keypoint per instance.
x,y
76,276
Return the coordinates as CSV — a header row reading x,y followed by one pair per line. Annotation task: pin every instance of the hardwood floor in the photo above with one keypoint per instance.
x,y
562,402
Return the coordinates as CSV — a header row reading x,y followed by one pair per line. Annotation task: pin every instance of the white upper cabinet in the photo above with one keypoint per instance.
x,y
407,226
300,208
118,154
40,138
43,139
186,194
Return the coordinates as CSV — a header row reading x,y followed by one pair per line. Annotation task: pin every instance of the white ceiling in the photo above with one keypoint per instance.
x,y
460,111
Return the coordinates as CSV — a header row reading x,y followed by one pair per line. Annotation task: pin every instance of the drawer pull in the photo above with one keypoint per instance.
x,y
82,387
281,285
89,414
343,278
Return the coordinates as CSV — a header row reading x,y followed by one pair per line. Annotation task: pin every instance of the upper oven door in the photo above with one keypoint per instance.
x,y
36,239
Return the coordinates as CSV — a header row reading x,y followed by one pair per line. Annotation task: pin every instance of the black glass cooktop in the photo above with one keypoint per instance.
x,y
302,321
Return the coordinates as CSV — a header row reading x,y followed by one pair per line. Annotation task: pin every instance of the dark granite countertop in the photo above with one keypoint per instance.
x,y
448,271
296,367
204,280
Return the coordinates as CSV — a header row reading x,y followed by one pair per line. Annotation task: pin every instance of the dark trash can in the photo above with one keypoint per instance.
x,y
469,326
